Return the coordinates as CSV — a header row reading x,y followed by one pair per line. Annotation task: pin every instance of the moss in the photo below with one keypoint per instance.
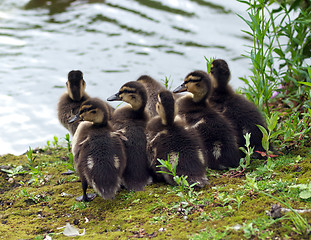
x,y
31,209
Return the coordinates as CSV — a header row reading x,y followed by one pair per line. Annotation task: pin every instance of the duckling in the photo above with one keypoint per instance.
x,y
70,102
169,140
131,121
242,113
99,155
153,88
217,133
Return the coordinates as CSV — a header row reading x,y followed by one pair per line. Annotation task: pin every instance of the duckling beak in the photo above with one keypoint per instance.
x,y
74,118
181,88
115,97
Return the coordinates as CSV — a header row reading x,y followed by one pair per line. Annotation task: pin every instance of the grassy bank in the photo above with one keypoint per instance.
x,y
36,199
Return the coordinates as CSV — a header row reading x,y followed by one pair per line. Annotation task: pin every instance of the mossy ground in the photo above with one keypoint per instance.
x,y
35,205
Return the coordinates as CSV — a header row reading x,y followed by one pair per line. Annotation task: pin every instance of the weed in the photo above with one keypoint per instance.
x,y
55,142
67,138
167,82
209,63
37,176
249,230
239,199
270,135
30,157
78,205
128,195
263,81
70,162
14,171
305,190
266,170
276,36
210,234
184,190
161,218
302,226
244,162
295,129
36,198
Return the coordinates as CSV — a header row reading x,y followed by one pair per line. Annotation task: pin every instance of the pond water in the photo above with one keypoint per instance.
x,y
112,42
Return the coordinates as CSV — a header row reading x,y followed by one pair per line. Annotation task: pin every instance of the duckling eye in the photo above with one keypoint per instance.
x,y
198,84
133,97
93,112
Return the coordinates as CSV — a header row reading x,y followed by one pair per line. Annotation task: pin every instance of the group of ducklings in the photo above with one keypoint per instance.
x,y
120,147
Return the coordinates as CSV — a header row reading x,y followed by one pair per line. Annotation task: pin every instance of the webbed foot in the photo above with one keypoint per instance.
x,y
88,198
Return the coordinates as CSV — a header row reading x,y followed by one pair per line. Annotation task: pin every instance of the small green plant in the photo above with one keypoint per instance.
x,y
244,162
167,82
181,181
302,226
14,171
37,176
79,205
223,198
305,190
161,218
266,169
48,144
211,234
36,198
271,134
70,163
30,157
68,142
251,183
55,142
295,130
249,230
209,63
184,190
239,199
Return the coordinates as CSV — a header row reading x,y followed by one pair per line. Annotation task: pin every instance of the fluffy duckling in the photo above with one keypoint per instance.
x,y
70,102
153,87
243,114
131,121
217,133
169,140
99,155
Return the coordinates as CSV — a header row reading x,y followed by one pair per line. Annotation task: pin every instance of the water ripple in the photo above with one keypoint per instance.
x,y
111,42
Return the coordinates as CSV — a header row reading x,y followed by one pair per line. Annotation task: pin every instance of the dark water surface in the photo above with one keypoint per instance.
x,y
112,42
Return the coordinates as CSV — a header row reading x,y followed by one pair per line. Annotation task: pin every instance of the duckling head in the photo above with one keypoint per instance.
x,y
220,73
198,83
133,93
166,107
93,111
75,85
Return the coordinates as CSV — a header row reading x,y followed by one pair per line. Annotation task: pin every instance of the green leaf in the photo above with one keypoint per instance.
x,y
305,194
279,52
275,134
263,130
273,121
306,83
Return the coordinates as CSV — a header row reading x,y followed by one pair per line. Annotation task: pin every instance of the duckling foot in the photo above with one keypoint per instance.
x,y
68,172
90,197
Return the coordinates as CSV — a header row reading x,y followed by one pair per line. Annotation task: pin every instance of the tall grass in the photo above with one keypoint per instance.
x,y
279,52
280,47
